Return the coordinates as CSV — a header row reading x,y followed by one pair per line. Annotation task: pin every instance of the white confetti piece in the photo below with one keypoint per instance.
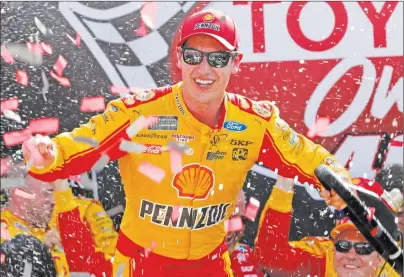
x,y
42,28
252,209
175,160
101,163
233,225
47,125
153,172
10,183
319,128
20,52
45,82
95,183
24,194
119,272
92,104
114,211
12,115
27,269
131,147
179,147
88,141
140,123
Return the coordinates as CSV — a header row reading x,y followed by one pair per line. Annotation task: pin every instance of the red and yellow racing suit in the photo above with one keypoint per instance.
x,y
214,168
243,262
311,256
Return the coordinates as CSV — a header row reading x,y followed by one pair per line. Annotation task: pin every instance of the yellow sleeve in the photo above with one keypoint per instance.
x,y
292,154
73,158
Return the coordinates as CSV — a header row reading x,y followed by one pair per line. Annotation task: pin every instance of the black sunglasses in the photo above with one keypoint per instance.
x,y
216,59
361,248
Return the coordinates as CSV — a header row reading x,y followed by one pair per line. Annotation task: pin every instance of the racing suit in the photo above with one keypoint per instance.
x,y
243,262
311,256
248,132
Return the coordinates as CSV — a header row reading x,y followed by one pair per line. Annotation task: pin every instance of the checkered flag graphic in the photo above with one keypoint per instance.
x,y
109,30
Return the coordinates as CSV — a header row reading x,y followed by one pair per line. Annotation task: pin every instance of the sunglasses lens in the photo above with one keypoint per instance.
x,y
342,246
218,59
192,57
363,248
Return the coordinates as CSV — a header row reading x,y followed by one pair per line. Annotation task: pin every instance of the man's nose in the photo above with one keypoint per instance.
x,y
204,67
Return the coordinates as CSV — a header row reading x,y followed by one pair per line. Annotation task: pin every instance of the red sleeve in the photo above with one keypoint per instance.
x,y
79,246
243,262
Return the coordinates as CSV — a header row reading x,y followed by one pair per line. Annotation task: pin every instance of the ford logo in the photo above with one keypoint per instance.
x,y
234,126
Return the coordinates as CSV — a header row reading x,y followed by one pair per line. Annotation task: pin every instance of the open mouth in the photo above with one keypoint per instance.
x,y
204,83
350,266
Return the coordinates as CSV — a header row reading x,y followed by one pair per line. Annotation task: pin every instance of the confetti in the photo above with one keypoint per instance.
x,y
147,251
179,147
140,123
5,234
35,47
142,29
319,128
20,52
153,172
94,178
62,80
148,14
41,27
114,211
176,213
2,257
89,141
371,213
45,82
16,137
101,163
27,269
12,115
233,225
6,55
121,91
46,48
131,147
21,77
47,125
10,183
76,178
4,166
10,104
24,194
60,65
175,160
78,40
92,104
252,209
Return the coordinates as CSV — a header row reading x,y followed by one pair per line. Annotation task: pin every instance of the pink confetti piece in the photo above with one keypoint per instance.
x,y
175,160
252,209
371,213
319,128
10,104
76,178
44,126
21,77
153,172
233,225
5,54
35,47
60,65
148,13
16,137
4,166
140,123
34,154
142,29
78,40
176,213
46,48
147,251
62,80
119,90
2,257
396,143
5,234
24,194
92,104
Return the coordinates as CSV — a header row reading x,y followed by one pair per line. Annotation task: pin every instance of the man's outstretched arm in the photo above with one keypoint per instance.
x,y
75,152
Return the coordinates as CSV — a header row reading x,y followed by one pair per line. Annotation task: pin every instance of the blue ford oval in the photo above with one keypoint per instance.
x,y
234,126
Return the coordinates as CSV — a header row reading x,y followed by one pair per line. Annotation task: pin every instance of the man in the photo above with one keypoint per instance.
x,y
346,254
70,241
225,135
243,262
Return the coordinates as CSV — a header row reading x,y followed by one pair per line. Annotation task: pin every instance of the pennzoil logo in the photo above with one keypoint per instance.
x,y
208,17
188,217
129,100
195,181
145,95
262,109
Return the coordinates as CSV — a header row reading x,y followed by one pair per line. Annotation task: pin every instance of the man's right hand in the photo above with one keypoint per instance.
x,y
40,150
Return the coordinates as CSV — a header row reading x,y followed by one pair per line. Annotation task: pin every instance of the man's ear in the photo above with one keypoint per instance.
x,y
179,57
236,63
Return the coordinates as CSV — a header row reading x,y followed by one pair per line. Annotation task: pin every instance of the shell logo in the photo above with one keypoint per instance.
x,y
195,181
208,17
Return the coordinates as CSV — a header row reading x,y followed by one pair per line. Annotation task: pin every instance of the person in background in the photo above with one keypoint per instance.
x,y
243,262
346,254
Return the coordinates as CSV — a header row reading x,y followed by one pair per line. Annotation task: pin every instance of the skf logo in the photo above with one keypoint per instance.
x,y
195,181
239,154
240,142
208,17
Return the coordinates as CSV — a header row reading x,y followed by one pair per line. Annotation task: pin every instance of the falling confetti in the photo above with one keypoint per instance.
x,y
92,104
148,14
6,55
5,234
319,128
35,47
60,65
176,213
140,123
119,272
41,27
121,91
62,80
252,209
12,115
24,194
9,183
76,178
179,147
16,137
76,41
9,104
233,225
45,82
142,29
27,269
21,77
175,160
2,258
47,125
114,211
94,178
20,52
101,163
147,251
4,166
46,48
153,172
89,141
131,147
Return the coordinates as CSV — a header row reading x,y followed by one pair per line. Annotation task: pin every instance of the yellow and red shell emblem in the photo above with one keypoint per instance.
x,y
262,108
195,181
208,17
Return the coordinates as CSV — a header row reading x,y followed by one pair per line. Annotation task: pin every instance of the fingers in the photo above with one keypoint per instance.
x,y
326,194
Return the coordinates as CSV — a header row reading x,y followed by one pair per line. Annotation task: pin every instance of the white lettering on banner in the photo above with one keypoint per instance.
x,y
394,153
359,153
358,104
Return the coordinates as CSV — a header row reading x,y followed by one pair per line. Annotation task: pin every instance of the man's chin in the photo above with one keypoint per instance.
x,y
348,272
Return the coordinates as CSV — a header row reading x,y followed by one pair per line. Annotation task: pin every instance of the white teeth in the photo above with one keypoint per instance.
x,y
351,266
204,82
